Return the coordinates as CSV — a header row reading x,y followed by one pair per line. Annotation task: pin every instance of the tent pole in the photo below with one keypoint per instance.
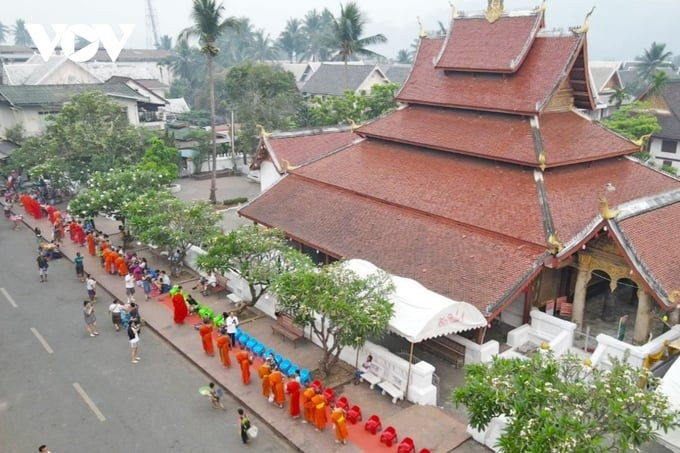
x,y
408,375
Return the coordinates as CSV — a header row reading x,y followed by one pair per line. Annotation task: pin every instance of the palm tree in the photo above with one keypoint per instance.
x,y
618,96
347,34
165,42
316,27
292,40
21,36
4,32
235,42
404,57
651,60
183,60
261,47
208,26
658,82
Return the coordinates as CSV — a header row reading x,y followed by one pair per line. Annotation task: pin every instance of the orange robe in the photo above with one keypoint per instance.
x,y
121,265
338,418
293,389
307,404
276,381
91,249
263,371
244,362
108,260
206,336
223,347
320,418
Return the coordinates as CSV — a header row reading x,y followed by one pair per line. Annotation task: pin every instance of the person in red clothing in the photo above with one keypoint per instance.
x,y
206,336
180,308
293,390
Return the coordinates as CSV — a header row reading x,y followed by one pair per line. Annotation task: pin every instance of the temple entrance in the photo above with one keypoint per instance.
x,y
604,308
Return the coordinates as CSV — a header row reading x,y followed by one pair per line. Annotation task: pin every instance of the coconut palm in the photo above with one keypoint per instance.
x,y
316,27
4,32
183,61
165,42
208,26
261,48
235,42
658,82
21,36
404,57
618,96
347,37
292,40
651,60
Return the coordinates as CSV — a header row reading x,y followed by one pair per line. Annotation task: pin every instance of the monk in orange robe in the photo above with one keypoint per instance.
x,y
206,337
244,362
121,265
223,347
264,371
107,255
79,234
276,381
340,422
91,249
72,231
293,389
307,404
320,418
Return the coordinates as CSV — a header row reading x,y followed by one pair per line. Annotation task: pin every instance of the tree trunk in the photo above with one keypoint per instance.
x,y
211,82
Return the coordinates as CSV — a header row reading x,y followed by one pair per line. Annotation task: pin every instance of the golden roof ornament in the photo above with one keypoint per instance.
x,y
494,10
287,165
263,133
605,211
583,29
673,296
541,161
353,125
554,242
542,7
454,11
421,30
642,141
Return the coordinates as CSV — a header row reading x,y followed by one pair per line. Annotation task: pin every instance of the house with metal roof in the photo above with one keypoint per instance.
x,y
492,187
333,79
31,105
664,146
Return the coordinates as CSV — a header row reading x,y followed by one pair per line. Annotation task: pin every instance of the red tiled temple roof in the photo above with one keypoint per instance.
x,y
474,44
450,259
496,136
573,192
648,236
304,148
570,138
524,92
438,184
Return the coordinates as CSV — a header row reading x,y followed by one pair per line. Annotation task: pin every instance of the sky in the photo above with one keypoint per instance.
x,y
620,29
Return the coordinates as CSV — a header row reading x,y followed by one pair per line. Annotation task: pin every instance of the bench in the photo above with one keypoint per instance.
x,y
447,349
287,328
372,375
395,392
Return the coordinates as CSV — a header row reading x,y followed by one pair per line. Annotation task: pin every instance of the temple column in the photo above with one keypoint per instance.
x,y
579,307
643,318
674,316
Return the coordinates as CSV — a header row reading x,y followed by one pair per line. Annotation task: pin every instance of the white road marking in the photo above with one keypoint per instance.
x,y
89,402
42,340
8,297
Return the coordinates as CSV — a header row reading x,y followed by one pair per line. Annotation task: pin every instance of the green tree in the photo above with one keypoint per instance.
x,y
161,219
347,34
564,404
254,253
404,57
260,94
91,133
292,40
201,139
160,159
317,27
657,83
165,42
21,36
15,133
208,26
4,32
633,121
651,60
341,308
359,108
619,96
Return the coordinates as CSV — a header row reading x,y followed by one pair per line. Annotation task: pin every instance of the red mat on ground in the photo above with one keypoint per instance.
x,y
167,302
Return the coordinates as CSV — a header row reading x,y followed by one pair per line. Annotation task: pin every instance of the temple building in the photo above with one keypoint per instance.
x,y
493,186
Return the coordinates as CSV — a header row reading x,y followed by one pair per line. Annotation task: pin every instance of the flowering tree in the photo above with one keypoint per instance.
x,y
561,405
350,308
163,220
256,254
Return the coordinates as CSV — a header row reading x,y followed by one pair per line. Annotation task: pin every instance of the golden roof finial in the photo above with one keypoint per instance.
x,y
494,10
421,30
454,11
541,161
673,296
642,141
263,133
542,7
586,24
554,242
287,166
605,211
353,125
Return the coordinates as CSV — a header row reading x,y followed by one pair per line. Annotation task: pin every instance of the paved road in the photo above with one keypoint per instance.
x,y
82,394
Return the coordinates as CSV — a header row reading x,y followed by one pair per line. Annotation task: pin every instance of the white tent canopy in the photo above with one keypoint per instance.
x,y
420,314
670,386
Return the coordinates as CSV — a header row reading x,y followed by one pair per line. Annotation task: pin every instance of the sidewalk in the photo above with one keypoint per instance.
x,y
429,427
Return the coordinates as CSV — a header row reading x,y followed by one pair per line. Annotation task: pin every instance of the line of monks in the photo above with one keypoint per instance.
x,y
274,388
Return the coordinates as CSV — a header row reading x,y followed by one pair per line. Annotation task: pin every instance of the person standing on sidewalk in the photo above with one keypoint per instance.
x,y
42,267
90,284
244,425
231,322
90,318
223,347
205,331
293,389
116,309
79,262
130,286
133,335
